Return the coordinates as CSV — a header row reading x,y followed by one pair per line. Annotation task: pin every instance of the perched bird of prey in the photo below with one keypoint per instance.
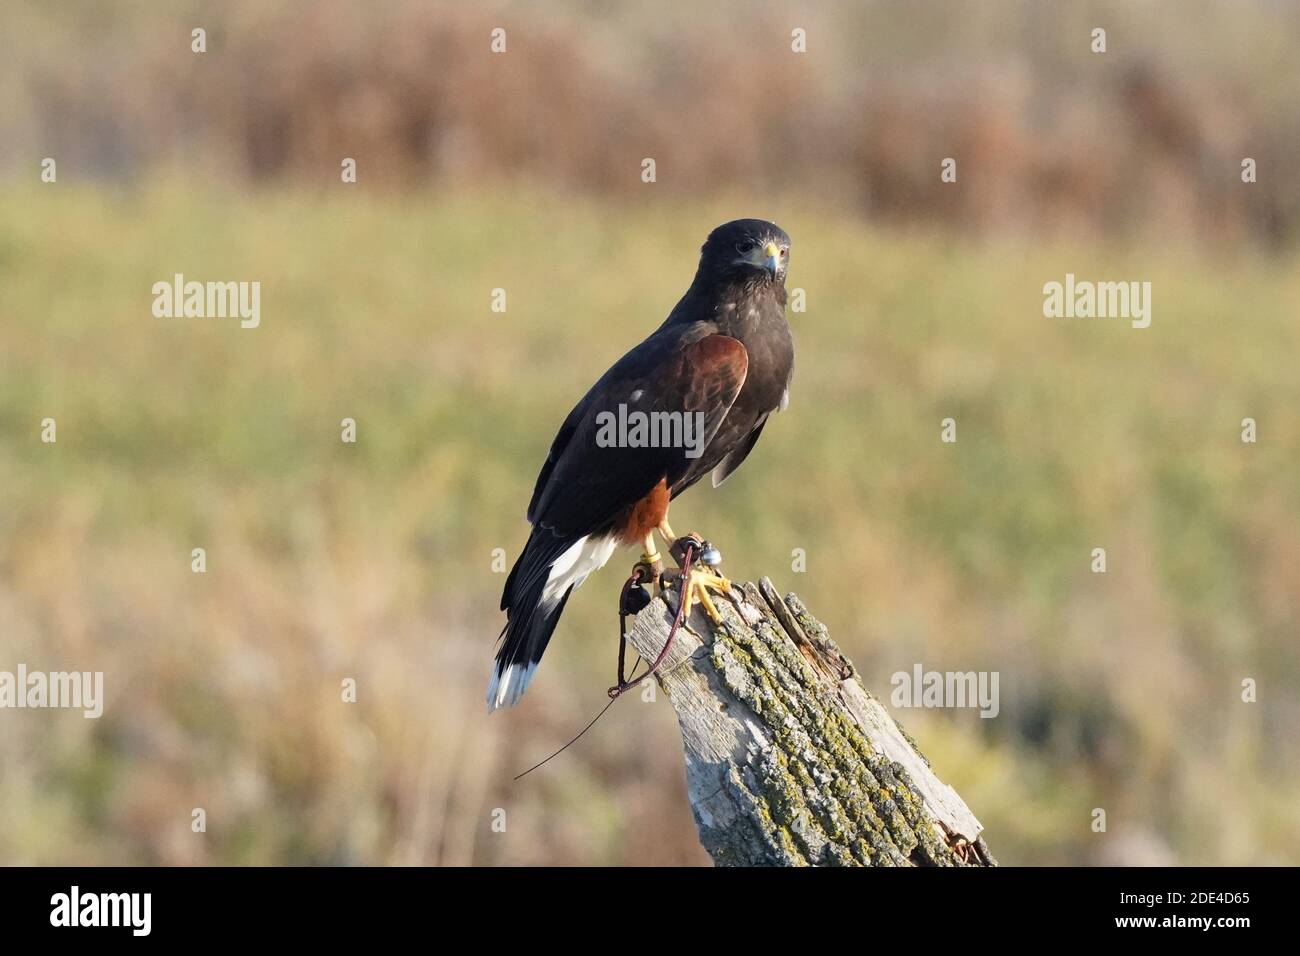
x,y
720,365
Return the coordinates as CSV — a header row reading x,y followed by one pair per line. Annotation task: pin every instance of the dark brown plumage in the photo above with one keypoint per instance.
x,y
723,358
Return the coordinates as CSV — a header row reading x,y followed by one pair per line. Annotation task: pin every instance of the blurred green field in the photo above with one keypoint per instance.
x,y
374,560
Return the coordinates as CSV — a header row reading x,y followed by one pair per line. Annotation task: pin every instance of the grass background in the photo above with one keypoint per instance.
x,y
374,560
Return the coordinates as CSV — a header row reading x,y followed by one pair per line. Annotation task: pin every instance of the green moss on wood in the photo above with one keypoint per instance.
x,y
822,794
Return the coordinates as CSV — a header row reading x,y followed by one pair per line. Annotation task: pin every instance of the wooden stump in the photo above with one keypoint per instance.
x,y
789,761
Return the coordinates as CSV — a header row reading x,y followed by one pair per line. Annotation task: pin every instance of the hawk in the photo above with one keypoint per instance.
x,y
711,375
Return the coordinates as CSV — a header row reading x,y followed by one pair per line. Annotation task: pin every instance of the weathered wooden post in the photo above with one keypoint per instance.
x,y
789,761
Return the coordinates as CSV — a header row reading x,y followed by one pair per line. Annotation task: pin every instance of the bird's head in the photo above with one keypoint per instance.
x,y
746,250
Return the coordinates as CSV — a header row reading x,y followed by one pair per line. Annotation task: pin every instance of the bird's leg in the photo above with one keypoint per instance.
x,y
651,555
694,585
651,564
666,530
634,599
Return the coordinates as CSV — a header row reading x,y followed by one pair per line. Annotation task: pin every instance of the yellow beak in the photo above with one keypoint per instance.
x,y
773,254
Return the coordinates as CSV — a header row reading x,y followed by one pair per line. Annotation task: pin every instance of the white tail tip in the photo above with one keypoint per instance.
x,y
506,687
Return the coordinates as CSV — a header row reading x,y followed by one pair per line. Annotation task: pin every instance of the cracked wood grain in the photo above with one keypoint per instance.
x,y
789,760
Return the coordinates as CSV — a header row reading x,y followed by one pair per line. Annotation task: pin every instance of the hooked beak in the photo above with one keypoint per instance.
x,y
772,263
767,257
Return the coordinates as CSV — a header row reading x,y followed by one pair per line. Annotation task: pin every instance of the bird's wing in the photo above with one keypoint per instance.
x,y
738,454
586,482
558,446
722,471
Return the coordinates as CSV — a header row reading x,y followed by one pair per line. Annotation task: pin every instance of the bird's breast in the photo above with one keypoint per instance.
x,y
761,327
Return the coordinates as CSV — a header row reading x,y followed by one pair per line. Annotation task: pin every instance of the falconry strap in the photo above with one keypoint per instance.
x,y
632,599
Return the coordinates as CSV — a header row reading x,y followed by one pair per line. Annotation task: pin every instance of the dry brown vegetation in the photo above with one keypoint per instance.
x,y
373,561
1048,135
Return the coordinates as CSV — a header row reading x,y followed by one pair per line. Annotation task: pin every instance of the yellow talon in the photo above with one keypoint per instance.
x,y
697,588
703,596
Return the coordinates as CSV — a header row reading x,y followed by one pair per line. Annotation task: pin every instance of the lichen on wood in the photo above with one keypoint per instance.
x,y
789,760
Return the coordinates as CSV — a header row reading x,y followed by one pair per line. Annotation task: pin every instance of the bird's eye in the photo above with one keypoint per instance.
x,y
746,247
